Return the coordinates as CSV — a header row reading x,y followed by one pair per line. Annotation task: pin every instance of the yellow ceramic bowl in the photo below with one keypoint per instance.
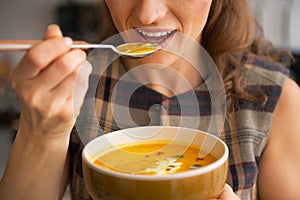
x,y
203,183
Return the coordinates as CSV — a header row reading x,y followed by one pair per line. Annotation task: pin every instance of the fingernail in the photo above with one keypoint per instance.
x,y
68,40
50,26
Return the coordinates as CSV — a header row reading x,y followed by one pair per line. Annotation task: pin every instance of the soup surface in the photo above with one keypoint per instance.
x,y
154,157
138,48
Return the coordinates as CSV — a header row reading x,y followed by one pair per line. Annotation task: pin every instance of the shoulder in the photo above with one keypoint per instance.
x,y
287,110
290,94
279,167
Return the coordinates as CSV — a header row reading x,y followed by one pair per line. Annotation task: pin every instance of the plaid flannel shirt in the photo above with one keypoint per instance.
x,y
245,131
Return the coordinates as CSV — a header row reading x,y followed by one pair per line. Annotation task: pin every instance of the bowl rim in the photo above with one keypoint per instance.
x,y
181,175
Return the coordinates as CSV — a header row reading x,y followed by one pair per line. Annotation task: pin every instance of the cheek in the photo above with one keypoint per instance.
x,y
201,9
117,12
199,17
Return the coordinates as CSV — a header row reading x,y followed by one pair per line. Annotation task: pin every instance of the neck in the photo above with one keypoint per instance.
x,y
170,81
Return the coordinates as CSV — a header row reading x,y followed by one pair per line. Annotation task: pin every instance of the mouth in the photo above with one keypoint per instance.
x,y
161,37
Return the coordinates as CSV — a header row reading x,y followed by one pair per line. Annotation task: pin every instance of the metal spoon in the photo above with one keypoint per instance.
x,y
137,50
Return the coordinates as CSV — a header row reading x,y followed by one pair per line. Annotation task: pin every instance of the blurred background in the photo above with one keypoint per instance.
x,y
80,19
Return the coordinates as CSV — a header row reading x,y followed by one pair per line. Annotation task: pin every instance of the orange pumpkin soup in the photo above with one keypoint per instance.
x,y
154,157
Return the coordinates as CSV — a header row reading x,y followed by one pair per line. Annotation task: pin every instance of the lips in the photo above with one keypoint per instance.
x,y
156,36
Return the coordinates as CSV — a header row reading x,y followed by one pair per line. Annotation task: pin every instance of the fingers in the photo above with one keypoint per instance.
x,y
41,55
53,31
50,82
228,194
44,68
34,90
227,189
54,111
81,86
74,86
60,69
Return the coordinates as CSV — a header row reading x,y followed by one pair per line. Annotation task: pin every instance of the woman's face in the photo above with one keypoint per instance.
x,y
158,20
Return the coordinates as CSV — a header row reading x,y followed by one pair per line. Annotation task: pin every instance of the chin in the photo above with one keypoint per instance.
x,y
162,58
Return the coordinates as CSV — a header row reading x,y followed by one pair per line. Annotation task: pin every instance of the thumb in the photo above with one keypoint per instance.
x,y
53,31
228,193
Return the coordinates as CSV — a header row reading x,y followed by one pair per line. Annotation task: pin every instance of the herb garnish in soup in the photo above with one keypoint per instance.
x,y
154,157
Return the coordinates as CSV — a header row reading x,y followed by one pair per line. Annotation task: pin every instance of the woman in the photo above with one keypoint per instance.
x,y
261,127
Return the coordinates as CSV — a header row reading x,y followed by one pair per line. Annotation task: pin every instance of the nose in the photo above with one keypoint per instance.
x,y
150,11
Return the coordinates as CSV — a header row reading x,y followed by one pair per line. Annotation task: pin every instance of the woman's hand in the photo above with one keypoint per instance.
x,y
228,194
46,81
50,82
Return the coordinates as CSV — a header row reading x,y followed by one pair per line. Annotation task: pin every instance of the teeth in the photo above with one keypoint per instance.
x,y
154,34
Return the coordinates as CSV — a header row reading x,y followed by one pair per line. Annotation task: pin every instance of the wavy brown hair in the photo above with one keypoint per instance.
x,y
231,28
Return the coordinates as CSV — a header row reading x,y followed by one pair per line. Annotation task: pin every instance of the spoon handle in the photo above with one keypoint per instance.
x,y
20,45
133,50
